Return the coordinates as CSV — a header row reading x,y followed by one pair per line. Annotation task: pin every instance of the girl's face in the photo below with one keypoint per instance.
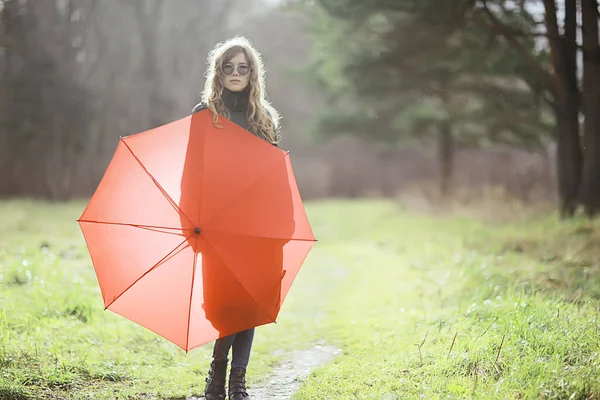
x,y
236,73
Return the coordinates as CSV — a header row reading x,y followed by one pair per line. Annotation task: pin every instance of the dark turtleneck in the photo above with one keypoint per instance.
x,y
237,105
236,101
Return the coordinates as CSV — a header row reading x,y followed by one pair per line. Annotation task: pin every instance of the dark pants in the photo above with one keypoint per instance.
x,y
241,343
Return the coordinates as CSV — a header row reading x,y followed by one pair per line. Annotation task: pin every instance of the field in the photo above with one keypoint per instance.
x,y
418,305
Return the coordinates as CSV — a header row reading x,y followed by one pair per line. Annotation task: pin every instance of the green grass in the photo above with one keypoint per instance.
x,y
421,306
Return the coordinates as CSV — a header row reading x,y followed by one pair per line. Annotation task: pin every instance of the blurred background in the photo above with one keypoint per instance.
x,y
462,99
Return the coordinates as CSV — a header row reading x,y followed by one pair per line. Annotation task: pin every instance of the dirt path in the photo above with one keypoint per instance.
x,y
287,377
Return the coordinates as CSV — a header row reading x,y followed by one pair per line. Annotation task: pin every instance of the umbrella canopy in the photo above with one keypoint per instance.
x,y
195,231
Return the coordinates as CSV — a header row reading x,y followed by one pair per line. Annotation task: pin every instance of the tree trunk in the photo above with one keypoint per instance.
x,y
590,182
566,105
568,156
446,156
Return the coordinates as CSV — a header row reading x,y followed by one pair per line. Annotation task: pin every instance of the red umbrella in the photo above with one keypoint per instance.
x,y
197,232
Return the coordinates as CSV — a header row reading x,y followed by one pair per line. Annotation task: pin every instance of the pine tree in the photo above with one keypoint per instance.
x,y
423,69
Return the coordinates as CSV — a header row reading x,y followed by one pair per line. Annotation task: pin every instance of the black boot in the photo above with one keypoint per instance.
x,y
237,384
215,381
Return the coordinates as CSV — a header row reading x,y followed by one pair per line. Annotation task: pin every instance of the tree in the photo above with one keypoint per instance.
x,y
43,113
590,180
578,169
416,67
559,80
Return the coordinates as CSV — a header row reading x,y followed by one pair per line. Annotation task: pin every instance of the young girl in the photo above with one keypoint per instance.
x,y
235,89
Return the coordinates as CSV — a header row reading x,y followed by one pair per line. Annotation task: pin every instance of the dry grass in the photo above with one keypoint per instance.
x,y
489,203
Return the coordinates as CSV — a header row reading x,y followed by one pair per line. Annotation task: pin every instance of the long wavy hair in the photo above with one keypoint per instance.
x,y
263,118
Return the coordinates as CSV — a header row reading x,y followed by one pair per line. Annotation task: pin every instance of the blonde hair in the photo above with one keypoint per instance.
x,y
263,118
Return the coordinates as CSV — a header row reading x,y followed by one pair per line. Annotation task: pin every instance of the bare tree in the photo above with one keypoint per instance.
x,y
44,104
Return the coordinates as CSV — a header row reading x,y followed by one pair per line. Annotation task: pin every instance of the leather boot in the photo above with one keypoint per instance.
x,y
215,381
237,384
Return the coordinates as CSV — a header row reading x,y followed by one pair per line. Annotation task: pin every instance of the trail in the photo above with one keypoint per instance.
x,y
286,378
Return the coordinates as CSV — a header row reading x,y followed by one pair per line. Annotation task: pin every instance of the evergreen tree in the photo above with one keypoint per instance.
x,y
423,69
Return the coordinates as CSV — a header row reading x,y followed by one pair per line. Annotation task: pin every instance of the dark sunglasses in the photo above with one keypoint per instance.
x,y
229,68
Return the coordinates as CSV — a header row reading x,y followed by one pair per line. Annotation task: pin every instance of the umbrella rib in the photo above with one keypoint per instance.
x,y
147,227
158,185
202,178
259,177
187,338
238,281
178,249
259,237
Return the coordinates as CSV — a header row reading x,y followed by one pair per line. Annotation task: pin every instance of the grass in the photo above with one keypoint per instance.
x,y
422,306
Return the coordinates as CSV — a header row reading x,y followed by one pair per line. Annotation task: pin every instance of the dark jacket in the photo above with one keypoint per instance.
x,y
237,105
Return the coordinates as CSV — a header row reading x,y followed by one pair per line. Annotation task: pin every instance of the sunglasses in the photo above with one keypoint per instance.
x,y
241,69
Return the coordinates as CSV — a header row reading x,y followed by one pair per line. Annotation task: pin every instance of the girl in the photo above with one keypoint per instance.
x,y
235,89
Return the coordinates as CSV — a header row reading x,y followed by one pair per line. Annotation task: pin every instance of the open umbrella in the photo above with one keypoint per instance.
x,y
195,231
